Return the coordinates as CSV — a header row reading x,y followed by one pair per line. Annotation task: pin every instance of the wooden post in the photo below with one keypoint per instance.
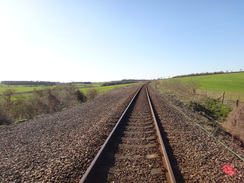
x,y
223,97
237,103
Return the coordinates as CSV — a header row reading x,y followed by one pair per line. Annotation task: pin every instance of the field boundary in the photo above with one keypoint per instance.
x,y
228,96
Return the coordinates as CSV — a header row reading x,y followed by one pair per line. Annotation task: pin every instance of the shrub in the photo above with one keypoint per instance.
x,y
80,96
235,123
217,110
40,102
4,120
54,103
92,93
193,84
212,108
180,87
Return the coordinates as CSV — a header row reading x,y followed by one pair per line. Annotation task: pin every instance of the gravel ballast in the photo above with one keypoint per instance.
x,y
126,156
59,147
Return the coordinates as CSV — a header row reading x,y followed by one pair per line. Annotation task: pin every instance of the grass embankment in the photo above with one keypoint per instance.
x,y
229,82
185,93
207,106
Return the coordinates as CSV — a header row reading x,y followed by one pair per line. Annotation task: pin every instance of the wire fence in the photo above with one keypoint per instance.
x,y
223,96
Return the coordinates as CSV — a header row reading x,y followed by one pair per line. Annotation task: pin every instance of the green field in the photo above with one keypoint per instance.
x,y
19,88
23,88
229,82
103,88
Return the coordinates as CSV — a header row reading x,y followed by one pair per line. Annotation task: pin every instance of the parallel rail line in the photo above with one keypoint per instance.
x,y
134,151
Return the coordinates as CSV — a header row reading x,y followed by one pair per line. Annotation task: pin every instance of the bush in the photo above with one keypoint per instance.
x,y
217,110
4,120
92,93
40,102
80,96
235,123
180,87
212,108
54,104
194,85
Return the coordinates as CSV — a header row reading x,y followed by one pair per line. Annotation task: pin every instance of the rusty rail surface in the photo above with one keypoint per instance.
x,y
89,174
170,174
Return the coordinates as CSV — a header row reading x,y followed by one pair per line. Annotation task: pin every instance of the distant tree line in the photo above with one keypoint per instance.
x,y
39,83
124,81
205,73
34,83
81,83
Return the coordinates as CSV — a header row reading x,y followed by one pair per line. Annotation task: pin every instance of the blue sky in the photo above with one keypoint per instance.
x,y
104,40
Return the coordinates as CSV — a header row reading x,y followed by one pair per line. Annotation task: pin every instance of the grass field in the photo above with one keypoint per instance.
x,y
19,88
229,82
23,88
103,88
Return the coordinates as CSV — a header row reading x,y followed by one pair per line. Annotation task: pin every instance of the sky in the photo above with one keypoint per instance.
x,y
107,40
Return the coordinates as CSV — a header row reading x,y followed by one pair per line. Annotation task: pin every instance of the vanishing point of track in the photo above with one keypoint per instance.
x,y
134,150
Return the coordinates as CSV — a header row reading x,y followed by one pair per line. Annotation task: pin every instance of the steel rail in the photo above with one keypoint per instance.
x,y
170,175
95,160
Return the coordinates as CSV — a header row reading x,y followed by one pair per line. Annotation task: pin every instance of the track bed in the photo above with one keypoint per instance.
x,y
133,152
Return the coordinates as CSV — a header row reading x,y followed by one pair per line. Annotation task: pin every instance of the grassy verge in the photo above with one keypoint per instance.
x,y
213,112
217,117
186,93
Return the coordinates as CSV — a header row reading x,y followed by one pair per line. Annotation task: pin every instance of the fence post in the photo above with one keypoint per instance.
x,y
223,97
237,103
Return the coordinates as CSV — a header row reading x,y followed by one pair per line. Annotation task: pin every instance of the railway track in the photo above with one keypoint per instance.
x,y
134,150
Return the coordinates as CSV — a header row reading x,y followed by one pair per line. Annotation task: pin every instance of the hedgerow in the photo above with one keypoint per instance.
x,y
16,108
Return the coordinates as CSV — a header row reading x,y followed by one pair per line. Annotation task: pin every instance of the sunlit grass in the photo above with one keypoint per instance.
x,y
24,88
229,82
19,88
103,88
